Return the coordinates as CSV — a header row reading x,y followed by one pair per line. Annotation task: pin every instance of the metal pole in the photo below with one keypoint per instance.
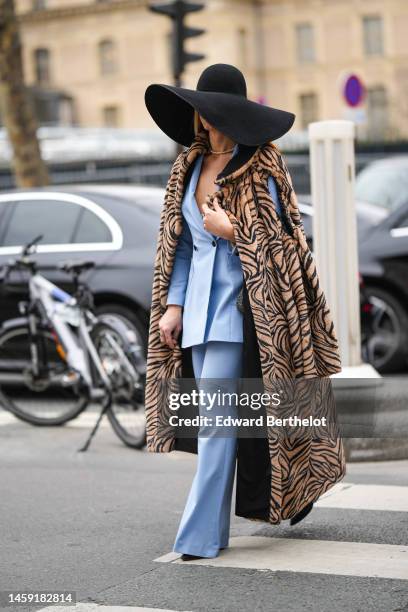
x,y
177,82
335,232
259,46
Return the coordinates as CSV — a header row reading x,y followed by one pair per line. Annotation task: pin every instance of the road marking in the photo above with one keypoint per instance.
x,y
349,496
88,607
85,419
310,556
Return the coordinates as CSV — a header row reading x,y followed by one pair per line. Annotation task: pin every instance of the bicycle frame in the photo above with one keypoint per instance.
x,y
63,312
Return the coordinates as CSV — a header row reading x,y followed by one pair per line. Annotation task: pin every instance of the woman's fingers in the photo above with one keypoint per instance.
x,y
169,335
168,338
177,331
206,209
170,326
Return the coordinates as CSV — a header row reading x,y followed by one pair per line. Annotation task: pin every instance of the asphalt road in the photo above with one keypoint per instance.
x,y
102,523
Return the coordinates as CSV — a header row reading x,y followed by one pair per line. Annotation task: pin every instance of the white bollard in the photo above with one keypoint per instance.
x,y
335,248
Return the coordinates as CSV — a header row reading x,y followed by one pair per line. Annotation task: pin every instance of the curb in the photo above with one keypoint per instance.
x,y
373,419
375,449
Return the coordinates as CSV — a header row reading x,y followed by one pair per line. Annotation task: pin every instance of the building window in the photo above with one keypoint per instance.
x,y
107,57
373,35
308,109
305,49
377,112
111,116
42,66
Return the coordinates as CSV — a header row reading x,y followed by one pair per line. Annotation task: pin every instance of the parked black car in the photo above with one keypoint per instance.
x,y
382,224
115,226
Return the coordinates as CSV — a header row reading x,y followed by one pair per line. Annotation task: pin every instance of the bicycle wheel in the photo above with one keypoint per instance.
x,y
53,397
126,413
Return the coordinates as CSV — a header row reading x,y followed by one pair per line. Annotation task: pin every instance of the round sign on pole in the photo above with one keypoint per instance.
x,y
353,90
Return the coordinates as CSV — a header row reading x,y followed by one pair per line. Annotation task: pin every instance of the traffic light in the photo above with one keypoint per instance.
x,y
177,10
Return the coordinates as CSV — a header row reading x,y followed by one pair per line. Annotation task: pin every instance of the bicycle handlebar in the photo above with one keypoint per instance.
x,y
23,261
29,247
82,292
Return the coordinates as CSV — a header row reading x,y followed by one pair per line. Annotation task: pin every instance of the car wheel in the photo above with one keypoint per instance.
x,y
386,345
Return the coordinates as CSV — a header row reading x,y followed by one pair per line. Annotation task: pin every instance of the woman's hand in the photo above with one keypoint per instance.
x,y
170,325
217,222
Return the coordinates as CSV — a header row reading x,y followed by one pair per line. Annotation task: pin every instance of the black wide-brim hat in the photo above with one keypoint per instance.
x,y
221,98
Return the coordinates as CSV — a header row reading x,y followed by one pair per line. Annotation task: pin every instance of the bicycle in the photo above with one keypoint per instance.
x,y
58,356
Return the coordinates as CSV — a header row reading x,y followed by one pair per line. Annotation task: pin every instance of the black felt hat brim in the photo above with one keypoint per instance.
x,y
245,122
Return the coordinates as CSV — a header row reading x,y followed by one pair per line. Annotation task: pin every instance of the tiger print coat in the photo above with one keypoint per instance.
x,y
288,333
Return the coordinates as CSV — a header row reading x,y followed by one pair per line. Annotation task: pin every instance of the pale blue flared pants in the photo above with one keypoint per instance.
x,y
205,524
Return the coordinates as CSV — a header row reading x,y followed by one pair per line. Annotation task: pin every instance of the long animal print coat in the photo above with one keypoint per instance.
x,y
288,339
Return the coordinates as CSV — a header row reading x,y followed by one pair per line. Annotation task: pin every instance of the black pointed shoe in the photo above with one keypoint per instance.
x,y
301,515
186,557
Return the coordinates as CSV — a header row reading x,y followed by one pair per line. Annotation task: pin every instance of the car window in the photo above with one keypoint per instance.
x,y
55,220
385,186
91,229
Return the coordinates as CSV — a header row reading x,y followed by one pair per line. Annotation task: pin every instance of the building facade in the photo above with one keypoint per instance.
x,y
97,57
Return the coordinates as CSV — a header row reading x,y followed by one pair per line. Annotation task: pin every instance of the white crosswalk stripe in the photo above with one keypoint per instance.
x,y
86,419
366,497
87,607
340,558
311,556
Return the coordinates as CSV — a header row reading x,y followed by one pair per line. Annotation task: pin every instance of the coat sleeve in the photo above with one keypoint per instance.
x,y
181,268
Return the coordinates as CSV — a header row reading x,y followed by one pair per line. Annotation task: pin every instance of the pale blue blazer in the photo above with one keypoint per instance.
x,y
207,274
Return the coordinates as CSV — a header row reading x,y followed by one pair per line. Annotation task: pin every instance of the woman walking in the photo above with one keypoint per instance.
x,y
227,304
